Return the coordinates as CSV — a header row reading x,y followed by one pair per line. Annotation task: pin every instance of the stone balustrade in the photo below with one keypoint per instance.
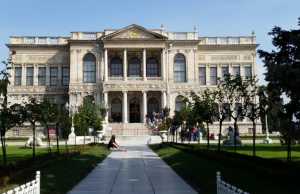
x,y
227,40
39,40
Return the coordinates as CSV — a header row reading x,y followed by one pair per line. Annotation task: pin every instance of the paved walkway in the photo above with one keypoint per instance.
x,y
137,171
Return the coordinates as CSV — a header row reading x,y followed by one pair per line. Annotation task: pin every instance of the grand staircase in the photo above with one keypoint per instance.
x,y
128,129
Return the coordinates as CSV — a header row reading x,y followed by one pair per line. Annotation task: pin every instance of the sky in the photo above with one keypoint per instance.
x,y
212,18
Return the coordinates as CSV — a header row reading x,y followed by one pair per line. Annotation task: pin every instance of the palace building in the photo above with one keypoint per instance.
x,y
132,71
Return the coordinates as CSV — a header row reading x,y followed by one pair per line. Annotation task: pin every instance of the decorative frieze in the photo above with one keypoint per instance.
x,y
58,58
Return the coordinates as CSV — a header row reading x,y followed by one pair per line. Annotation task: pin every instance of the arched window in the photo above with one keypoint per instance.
x,y
134,67
89,68
179,68
152,67
116,67
153,106
179,103
116,110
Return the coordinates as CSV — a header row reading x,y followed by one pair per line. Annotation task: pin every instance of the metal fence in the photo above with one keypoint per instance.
x,y
32,187
226,188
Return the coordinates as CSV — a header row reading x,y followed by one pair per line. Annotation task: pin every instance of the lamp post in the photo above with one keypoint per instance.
x,y
268,140
72,135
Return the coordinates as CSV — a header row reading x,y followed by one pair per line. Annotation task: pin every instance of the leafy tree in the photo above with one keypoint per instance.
x,y
221,112
32,114
88,115
253,106
235,90
48,114
283,74
9,116
209,111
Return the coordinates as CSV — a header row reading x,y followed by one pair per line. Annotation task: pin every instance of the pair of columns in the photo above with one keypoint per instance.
x,y
125,64
125,105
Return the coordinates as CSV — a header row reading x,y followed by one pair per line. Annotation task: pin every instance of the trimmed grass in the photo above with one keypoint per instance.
x,y
59,173
271,151
255,175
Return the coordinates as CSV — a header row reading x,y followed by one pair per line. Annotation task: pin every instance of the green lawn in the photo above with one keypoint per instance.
x,y
274,151
59,173
255,175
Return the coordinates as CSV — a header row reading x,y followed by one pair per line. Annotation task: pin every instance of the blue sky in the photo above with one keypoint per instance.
x,y
212,17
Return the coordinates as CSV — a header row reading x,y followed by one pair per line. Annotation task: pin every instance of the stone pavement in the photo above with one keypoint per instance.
x,y
137,171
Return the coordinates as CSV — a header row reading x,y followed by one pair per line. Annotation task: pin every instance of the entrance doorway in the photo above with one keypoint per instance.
x,y
134,111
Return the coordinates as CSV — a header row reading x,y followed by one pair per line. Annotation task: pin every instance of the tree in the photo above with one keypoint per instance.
x,y
48,114
209,111
253,106
9,116
32,114
222,111
88,115
283,74
234,88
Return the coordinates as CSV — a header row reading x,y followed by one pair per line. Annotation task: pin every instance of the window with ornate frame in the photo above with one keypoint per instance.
x,y
179,68
152,69
116,67
29,76
42,76
134,67
53,76
18,76
89,68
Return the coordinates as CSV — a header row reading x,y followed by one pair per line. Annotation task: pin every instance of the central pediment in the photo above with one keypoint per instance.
x,y
134,32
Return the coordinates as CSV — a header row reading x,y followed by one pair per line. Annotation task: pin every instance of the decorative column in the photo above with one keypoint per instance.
x,y
35,74
163,99
125,64
125,112
47,75
59,74
106,105
144,106
144,64
23,75
163,64
105,65
207,74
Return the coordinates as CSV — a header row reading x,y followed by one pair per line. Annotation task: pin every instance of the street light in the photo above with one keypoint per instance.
x,y
268,140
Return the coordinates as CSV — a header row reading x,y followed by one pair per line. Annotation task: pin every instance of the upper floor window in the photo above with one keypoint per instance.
x,y
134,67
53,76
65,76
248,72
18,76
89,68
42,76
29,76
225,71
152,67
179,68
236,70
202,75
213,75
116,67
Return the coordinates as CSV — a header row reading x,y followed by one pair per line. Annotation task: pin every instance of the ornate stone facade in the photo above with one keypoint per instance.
x,y
132,71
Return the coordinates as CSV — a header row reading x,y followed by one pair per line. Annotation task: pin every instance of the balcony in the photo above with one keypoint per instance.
x,y
38,40
227,40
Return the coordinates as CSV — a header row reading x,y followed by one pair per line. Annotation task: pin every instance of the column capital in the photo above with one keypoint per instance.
x,y
124,91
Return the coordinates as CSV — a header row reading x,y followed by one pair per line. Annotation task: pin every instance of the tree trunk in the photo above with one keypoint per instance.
x,y
235,134
4,156
176,135
289,148
254,137
66,145
57,138
48,138
33,141
220,132
207,127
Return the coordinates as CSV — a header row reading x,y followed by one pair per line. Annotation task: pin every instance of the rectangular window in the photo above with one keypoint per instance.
x,y
18,76
53,76
236,70
65,76
213,75
225,71
248,71
29,76
42,76
202,75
